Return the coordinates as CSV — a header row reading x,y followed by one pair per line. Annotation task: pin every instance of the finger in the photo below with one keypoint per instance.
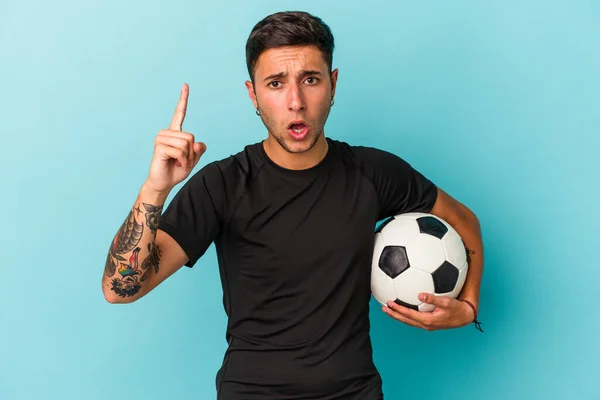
x,y
197,153
175,154
180,110
417,316
178,143
199,149
180,134
408,321
438,301
188,137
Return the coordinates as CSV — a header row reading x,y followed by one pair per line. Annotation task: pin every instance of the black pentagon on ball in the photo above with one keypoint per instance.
x,y
432,226
445,278
393,260
404,304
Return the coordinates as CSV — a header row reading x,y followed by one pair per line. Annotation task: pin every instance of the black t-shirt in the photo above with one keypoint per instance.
x,y
294,249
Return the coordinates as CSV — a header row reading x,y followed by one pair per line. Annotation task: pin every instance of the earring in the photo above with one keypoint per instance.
x,y
257,112
332,101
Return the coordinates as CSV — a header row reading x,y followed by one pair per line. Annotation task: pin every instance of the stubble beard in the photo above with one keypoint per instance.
x,y
315,132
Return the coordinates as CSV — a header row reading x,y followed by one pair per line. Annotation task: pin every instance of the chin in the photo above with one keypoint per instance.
x,y
296,147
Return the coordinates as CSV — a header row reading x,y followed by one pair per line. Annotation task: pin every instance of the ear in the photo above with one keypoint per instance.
x,y
251,93
334,77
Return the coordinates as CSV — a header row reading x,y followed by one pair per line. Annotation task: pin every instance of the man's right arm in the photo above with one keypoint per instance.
x,y
140,256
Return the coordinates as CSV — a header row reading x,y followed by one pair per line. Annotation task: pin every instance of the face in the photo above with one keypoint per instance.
x,y
292,84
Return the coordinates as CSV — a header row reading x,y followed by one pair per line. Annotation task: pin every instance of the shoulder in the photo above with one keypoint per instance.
x,y
400,187
233,168
369,159
221,182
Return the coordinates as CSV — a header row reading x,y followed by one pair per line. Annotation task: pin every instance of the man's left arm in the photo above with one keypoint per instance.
x,y
466,223
450,313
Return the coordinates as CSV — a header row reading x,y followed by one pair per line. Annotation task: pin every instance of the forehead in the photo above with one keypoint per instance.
x,y
280,59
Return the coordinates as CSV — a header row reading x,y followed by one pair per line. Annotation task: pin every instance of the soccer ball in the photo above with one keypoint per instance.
x,y
414,253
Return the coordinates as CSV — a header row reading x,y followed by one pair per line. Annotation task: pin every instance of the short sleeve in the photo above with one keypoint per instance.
x,y
193,217
400,187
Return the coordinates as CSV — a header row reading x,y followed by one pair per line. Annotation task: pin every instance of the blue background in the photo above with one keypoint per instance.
x,y
497,102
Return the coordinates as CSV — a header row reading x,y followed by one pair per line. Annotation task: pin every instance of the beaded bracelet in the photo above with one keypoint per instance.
x,y
477,323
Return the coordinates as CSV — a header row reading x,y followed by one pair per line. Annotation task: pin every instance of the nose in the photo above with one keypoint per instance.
x,y
295,98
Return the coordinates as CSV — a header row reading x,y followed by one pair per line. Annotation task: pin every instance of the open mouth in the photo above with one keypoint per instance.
x,y
298,129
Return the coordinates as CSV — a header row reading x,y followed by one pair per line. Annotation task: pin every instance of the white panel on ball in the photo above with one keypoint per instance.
x,y
382,285
426,307
410,283
454,248
425,252
400,232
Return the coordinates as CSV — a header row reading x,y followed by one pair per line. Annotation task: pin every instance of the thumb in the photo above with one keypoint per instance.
x,y
199,149
430,298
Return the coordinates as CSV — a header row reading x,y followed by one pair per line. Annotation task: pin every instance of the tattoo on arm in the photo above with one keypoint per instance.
x,y
152,216
469,252
128,284
125,241
151,261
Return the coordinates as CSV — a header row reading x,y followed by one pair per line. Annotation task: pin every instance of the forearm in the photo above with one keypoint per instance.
x,y
470,232
132,254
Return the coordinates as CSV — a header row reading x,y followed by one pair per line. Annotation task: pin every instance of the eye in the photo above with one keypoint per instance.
x,y
274,87
314,80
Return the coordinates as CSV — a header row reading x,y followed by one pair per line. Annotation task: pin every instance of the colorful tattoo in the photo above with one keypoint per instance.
x,y
128,285
125,241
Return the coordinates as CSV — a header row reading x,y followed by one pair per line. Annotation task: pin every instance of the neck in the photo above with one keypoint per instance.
x,y
296,161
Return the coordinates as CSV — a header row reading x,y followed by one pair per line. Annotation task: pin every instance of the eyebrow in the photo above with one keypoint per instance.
x,y
300,73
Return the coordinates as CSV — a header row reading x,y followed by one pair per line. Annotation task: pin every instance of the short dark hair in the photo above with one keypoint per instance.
x,y
288,28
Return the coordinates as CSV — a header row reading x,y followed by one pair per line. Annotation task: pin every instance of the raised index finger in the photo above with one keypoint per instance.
x,y
179,115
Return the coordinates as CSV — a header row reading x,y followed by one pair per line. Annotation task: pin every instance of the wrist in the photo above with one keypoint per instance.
x,y
149,195
473,299
471,307
475,313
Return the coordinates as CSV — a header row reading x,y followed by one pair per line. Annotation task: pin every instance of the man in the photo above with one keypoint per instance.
x,y
292,219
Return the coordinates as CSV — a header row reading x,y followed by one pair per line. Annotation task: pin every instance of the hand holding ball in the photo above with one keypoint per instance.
x,y
415,253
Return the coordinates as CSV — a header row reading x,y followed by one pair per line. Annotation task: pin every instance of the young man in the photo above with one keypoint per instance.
x,y
292,219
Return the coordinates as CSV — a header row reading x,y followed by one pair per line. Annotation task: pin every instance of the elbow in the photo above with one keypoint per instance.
x,y
472,224
468,216
474,220
114,299
111,297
